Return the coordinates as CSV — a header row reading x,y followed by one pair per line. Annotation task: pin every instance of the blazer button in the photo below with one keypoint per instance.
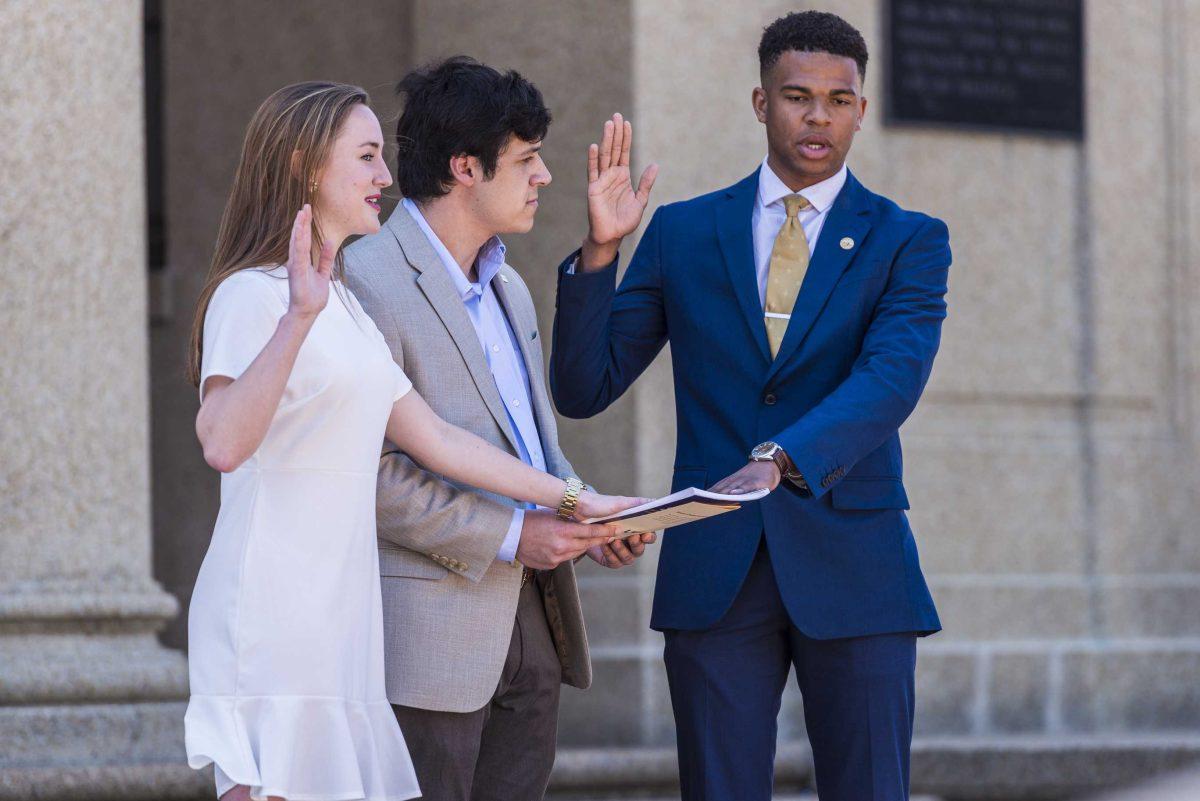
x,y
769,399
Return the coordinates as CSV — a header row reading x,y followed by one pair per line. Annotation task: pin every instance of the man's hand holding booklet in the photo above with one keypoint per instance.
x,y
685,506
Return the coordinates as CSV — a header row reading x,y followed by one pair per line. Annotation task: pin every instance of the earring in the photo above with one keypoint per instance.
x,y
312,188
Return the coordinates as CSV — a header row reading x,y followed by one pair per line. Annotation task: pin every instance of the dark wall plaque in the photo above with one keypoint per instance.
x,y
997,64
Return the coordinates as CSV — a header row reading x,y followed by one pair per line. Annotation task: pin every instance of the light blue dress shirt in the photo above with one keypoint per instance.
x,y
502,351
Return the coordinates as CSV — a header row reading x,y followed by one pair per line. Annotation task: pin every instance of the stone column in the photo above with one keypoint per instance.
x,y
88,697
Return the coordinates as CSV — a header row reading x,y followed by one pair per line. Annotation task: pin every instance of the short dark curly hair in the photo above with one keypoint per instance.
x,y
461,107
812,32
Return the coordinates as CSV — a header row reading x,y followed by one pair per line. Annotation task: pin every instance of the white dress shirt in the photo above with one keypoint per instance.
x,y
769,215
502,352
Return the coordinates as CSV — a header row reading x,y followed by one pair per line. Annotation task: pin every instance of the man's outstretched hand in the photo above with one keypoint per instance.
x,y
615,208
754,476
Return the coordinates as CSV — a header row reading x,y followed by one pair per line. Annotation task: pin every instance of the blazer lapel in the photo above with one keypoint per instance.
x,y
734,221
442,296
523,330
848,220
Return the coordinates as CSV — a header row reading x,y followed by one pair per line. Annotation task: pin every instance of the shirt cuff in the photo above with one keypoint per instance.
x,y
508,548
573,262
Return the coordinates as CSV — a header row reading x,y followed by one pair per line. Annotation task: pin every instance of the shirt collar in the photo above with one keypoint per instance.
x,y
487,263
821,195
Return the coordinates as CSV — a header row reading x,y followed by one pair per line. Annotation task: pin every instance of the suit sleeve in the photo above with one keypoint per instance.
x,y
420,511
603,337
890,372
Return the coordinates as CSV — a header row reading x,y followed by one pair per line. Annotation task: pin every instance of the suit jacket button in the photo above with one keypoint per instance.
x,y
769,399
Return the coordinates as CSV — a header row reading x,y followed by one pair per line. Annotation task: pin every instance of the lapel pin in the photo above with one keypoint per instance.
x,y
504,278
846,243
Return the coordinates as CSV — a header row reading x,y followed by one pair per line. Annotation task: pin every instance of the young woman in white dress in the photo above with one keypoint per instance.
x,y
298,390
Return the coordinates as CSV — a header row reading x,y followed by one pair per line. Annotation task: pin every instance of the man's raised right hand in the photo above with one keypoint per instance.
x,y
614,208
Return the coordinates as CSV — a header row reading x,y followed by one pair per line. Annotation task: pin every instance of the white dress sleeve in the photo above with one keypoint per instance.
x,y
403,384
242,317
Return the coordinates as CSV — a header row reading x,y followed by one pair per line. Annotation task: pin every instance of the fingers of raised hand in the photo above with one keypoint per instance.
x,y
646,183
593,166
325,267
299,248
618,142
626,143
606,142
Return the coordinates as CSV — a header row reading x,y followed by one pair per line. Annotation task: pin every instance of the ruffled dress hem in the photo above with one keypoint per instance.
x,y
302,748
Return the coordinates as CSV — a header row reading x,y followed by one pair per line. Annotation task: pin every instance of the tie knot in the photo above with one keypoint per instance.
x,y
795,204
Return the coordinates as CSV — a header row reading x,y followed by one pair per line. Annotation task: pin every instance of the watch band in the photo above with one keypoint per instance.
x,y
570,499
784,463
781,460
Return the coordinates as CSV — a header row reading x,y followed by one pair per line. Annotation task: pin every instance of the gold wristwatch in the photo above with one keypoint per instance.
x,y
570,500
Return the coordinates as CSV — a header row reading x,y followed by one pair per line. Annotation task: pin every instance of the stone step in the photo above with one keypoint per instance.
x,y
135,752
963,768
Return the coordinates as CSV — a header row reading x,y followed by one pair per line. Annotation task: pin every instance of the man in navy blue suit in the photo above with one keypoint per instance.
x,y
803,313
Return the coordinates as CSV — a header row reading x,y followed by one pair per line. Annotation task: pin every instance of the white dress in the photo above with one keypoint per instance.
x,y
285,628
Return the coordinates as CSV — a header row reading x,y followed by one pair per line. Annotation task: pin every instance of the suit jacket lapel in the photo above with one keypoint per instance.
x,y
444,299
847,220
523,331
734,221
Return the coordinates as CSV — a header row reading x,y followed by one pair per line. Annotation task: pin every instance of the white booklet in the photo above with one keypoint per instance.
x,y
685,506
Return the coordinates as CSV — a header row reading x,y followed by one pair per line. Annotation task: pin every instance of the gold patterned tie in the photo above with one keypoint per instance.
x,y
785,273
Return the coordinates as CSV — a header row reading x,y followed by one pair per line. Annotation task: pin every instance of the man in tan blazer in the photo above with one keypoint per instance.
x,y
481,612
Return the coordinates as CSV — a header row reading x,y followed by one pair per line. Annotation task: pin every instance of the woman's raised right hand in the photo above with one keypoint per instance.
x,y
308,286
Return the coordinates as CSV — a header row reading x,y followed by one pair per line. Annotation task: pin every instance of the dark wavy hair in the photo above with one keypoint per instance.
x,y
461,107
812,32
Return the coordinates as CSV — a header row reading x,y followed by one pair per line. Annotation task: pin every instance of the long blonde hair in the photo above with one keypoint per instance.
x,y
286,144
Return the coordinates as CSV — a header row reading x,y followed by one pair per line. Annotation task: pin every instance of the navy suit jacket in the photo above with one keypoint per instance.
x,y
857,354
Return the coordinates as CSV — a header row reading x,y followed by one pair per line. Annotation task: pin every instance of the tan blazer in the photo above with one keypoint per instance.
x,y
448,605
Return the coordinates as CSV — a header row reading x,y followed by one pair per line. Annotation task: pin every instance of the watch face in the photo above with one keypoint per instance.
x,y
764,450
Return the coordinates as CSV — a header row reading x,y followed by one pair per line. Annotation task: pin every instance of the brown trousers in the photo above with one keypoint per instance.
x,y
504,751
